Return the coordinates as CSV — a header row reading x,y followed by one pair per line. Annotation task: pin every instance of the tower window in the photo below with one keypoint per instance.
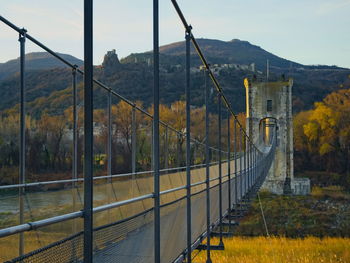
x,y
269,105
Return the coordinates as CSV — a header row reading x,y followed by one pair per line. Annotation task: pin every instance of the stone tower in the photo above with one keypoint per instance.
x,y
269,108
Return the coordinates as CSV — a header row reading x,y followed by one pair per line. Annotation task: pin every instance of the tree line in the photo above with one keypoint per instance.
x,y
49,140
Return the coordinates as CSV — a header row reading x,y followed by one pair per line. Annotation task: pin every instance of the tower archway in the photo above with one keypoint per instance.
x,y
269,110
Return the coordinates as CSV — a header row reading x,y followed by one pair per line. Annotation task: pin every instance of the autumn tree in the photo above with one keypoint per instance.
x,y
322,135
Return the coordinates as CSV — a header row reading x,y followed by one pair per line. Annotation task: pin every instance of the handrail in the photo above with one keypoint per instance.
x,y
12,186
61,218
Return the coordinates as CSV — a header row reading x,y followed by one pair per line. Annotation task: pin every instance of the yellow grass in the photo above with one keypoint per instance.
x,y
280,250
237,249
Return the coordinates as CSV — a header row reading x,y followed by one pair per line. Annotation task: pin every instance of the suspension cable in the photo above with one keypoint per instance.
x,y
263,216
219,89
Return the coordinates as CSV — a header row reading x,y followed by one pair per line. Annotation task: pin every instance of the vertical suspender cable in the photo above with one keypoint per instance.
x,y
133,149
75,145
220,169
22,157
240,163
88,130
109,139
207,162
188,146
229,166
155,140
235,160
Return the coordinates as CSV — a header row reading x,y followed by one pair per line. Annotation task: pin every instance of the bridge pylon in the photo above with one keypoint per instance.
x,y
269,110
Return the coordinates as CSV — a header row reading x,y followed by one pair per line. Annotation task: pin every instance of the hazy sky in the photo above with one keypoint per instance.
x,y
305,31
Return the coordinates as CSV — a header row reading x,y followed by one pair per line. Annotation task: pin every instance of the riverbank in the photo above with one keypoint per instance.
x,y
324,213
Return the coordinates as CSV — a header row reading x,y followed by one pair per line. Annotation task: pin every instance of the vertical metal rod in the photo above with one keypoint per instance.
x,y
156,130
251,165
88,130
207,163
166,148
229,165
178,162
240,140
245,163
248,164
109,139
188,146
235,159
255,166
220,169
247,170
75,128
133,149
75,147
109,150
254,158
22,158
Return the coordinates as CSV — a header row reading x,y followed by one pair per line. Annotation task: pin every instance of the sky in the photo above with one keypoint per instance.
x,y
304,31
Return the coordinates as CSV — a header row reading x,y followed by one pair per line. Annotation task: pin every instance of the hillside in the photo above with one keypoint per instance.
x,y
234,51
311,83
36,61
132,76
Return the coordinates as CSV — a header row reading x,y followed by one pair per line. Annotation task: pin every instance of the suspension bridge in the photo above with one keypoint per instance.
x,y
160,214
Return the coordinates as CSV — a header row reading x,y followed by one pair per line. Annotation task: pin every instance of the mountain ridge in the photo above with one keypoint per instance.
x,y
132,76
36,61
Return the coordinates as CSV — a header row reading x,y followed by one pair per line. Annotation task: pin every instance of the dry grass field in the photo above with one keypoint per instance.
x,y
280,250
237,249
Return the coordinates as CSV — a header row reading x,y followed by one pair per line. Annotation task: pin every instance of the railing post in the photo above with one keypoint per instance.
x,y
235,160
75,144
178,150
75,126
22,157
248,164
109,135
188,146
207,163
245,163
156,131
133,148
88,130
220,169
255,165
229,165
240,140
166,148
